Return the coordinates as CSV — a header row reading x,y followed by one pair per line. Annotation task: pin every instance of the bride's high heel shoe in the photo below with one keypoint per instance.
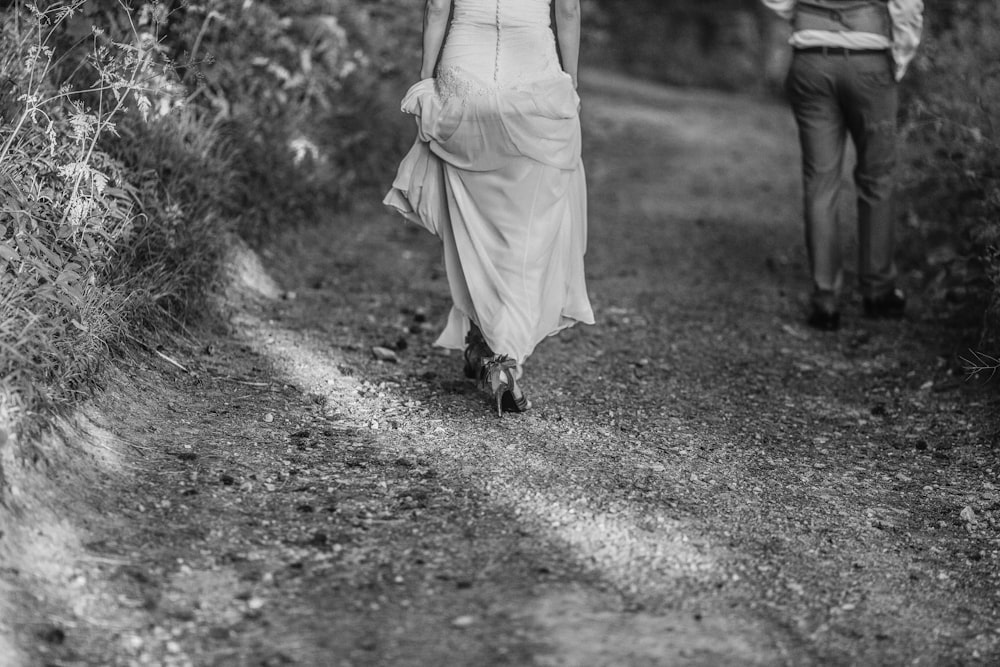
x,y
498,379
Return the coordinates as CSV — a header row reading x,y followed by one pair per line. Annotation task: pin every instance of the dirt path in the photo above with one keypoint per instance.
x,y
704,481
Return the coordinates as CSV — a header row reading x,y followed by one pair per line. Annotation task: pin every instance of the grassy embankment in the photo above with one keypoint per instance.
x,y
139,140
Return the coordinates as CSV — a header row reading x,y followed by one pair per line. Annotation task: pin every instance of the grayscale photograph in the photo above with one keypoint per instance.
x,y
499,333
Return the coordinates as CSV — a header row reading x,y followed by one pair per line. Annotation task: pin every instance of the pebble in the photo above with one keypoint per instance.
x,y
384,354
268,417
463,621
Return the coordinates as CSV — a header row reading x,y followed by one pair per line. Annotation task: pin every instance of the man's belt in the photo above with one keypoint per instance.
x,y
841,51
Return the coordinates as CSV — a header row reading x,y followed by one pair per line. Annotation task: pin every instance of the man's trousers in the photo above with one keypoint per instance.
x,y
835,93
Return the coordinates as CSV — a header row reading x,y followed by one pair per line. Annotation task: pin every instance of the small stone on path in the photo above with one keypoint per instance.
x,y
384,354
464,621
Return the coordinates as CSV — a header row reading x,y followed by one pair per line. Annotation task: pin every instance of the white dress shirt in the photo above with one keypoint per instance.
x,y
907,27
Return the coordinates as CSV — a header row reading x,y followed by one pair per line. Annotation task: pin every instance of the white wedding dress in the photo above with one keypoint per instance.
x,y
496,173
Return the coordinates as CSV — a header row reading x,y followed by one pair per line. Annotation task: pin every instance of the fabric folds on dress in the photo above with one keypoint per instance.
x,y
496,173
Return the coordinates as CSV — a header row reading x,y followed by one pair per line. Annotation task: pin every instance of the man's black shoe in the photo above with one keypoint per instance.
x,y
824,320
889,305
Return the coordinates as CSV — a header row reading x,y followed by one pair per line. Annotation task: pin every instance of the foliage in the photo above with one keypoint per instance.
x,y
135,137
295,84
67,203
954,176
718,43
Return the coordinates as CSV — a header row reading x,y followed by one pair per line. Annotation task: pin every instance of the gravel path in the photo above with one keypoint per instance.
x,y
703,481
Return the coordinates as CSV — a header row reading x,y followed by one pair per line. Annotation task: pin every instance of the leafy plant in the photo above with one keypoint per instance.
x,y
135,137
953,175
67,204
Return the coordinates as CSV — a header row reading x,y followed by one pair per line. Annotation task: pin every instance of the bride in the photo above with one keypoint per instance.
x,y
496,173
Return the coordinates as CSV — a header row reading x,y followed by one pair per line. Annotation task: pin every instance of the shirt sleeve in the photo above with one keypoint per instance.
x,y
783,8
907,29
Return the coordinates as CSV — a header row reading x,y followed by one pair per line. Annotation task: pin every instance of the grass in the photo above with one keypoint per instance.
x,y
135,139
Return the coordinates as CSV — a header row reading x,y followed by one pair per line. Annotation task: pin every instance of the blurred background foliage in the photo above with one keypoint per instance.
x,y
952,171
727,44
138,138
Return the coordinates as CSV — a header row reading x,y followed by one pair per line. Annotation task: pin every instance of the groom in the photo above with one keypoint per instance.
x,y
848,57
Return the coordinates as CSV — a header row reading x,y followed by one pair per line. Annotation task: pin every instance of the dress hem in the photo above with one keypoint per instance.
x,y
447,340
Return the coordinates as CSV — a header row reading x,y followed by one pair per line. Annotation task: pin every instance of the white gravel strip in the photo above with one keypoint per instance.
x,y
629,549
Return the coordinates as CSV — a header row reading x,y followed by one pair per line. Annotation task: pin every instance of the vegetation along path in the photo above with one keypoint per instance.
x,y
703,480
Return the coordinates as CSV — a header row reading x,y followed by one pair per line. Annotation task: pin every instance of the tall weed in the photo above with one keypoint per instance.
x,y
136,136
67,204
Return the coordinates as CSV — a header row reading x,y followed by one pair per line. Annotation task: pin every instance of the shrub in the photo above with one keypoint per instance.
x,y
296,84
953,174
135,136
183,183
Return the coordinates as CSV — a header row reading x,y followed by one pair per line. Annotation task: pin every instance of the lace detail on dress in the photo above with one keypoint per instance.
x,y
452,83
455,82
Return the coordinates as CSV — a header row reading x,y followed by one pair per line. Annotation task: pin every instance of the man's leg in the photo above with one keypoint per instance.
x,y
873,103
812,89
